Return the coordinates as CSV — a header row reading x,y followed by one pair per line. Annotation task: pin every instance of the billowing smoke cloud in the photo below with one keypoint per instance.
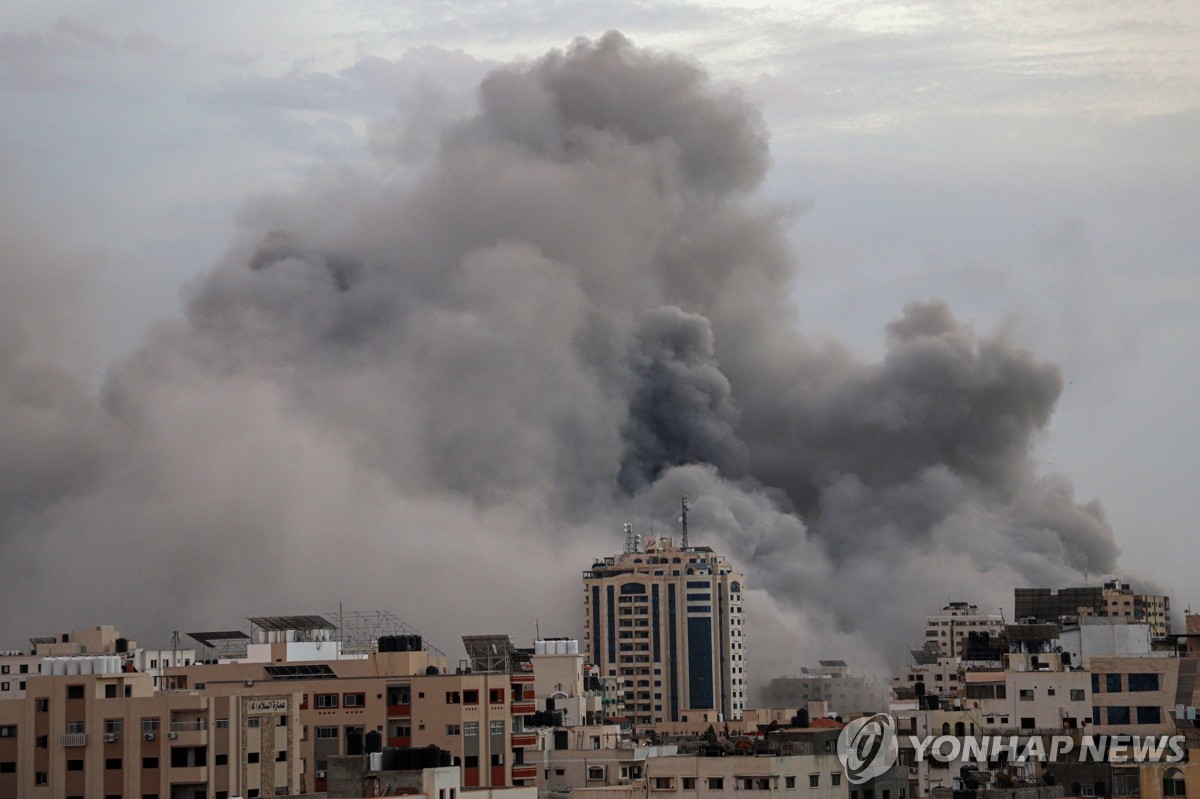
x,y
443,396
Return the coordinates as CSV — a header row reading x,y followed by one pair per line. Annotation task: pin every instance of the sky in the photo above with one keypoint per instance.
x,y
1030,171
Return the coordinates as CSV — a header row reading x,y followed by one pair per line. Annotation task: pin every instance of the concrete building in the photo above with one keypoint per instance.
x,y
1114,599
845,693
950,630
791,776
262,726
351,776
668,622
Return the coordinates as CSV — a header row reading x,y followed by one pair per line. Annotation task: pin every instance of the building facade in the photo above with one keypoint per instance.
x,y
668,622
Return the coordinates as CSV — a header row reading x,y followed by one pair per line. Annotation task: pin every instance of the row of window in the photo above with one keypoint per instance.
x,y
1135,682
471,728
470,696
331,700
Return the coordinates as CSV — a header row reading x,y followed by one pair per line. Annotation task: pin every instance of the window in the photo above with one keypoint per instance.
x,y
664,783
689,783
355,700
110,691
1028,723
1149,714
252,757
8,767
498,759
1112,683
325,700
470,728
1118,715
74,728
8,731
74,765
41,705
149,725
221,760
1143,682
453,698
112,764
43,742
326,732
41,778
814,781
496,696
1076,694
453,729
497,728
74,692
281,756
1026,695
149,762
471,761
114,726
1173,783
716,783
254,722
471,697
835,778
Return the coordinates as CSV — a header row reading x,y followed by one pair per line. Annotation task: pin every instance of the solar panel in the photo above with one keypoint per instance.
x,y
292,623
307,671
219,636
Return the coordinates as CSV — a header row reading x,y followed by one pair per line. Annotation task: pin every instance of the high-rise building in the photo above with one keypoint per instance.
x,y
951,629
1114,599
667,621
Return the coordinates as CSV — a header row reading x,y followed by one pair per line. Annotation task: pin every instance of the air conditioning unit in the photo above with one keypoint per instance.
x,y
320,775
149,736
109,737
248,683
172,735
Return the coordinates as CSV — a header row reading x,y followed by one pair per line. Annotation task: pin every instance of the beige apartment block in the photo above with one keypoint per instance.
x,y
811,776
1134,695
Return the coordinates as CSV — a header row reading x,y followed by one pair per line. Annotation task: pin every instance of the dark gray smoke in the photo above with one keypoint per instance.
x,y
443,396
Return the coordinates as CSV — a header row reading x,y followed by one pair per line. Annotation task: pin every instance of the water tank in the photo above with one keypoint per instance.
x,y
539,647
431,757
802,718
573,646
102,665
431,670
375,761
115,665
389,759
373,743
354,743
47,665
87,665
59,667
122,646
387,643
446,759
72,666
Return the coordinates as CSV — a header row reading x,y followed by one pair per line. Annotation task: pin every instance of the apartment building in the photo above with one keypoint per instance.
x,y
1114,599
950,630
846,694
668,622
260,724
679,776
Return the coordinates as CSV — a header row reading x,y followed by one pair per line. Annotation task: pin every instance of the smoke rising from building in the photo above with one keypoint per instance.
x,y
444,395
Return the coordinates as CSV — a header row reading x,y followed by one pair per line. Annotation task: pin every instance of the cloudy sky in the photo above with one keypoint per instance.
x,y
1034,169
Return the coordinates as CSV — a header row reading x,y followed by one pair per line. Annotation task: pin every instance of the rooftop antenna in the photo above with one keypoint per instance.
x,y
631,540
683,520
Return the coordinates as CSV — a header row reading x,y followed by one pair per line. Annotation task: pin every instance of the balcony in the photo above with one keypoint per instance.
x,y
194,725
524,772
74,739
523,707
399,711
523,739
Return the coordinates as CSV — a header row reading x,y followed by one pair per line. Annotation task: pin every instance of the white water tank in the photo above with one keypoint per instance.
x,y
573,647
539,647
59,666
72,666
114,664
87,665
376,763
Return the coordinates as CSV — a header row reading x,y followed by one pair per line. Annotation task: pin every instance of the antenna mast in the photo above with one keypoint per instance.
x,y
683,520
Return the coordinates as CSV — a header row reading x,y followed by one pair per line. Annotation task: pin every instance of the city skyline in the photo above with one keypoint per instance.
x,y
1024,182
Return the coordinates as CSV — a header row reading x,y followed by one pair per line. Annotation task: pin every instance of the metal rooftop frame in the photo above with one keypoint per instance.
x,y
227,643
489,653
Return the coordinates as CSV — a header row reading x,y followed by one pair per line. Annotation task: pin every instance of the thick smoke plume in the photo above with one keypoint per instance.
x,y
443,396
